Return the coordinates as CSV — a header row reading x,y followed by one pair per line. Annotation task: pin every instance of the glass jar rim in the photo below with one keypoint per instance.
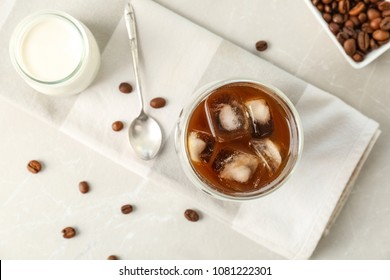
x,y
23,28
182,149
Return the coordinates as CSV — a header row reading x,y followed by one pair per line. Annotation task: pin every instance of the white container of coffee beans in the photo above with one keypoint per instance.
x,y
360,29
54,53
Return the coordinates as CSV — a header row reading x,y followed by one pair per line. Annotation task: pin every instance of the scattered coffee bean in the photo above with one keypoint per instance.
x,y
34,166
68,232
127,209
261,45
117,126
83,187
112,257
157,102
191,215
125,88
359,26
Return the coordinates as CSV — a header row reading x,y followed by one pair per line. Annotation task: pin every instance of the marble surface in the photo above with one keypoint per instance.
x,y
35,208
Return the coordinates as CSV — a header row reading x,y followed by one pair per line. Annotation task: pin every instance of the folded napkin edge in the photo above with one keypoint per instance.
x,y
350,165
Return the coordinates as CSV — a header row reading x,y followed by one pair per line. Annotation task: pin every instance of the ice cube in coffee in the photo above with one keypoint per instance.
x,y
260,116
200,146
236,168
226,116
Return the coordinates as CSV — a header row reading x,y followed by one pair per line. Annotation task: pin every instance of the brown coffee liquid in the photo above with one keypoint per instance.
x,y
280,136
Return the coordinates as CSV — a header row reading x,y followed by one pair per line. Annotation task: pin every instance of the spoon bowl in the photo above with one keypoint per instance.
x,y
145,136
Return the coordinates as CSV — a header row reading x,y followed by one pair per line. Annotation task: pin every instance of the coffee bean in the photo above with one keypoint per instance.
x,y
386,13
125,88
127,209
68,232
341,37
349,23
350,31
359,7
261,45
367,28
381,35
34,166
157,102
326,1
373,13
381,43
350,47
112,258
385,24
327,9
83,187
355,20
373,44
374,24
344,6
384,6
338,18
327,17
334,27
362,17
117,126
358,57
363,41
191,215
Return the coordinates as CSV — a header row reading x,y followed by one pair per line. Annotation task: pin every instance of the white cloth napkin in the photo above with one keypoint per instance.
x,y
177,57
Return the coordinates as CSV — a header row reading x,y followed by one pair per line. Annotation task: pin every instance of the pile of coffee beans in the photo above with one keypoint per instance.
x,y
359,26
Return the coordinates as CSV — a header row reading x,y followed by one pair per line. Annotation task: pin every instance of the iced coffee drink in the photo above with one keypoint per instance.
x,y
241,139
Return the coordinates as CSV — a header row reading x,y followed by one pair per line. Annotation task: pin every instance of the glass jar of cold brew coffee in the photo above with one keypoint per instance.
x,y
239,139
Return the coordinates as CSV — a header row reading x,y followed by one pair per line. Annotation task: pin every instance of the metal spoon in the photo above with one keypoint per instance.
x,y
145,134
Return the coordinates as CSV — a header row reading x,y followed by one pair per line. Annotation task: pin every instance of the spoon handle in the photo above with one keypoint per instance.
x,y
132,32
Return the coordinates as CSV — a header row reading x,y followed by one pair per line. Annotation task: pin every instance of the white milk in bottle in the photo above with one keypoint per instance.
x,y
55,53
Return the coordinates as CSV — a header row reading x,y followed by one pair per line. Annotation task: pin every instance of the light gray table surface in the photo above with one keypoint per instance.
x,y
297,43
